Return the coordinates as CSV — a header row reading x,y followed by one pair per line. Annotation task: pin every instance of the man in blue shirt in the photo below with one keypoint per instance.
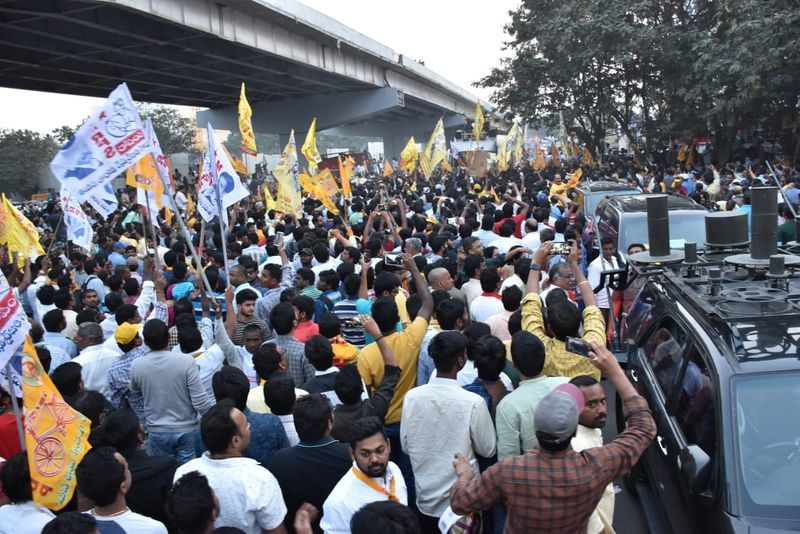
x,y
267,435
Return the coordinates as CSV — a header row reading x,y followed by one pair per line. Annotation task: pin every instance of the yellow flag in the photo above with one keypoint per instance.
x,y
288,198
387,169
409,156
56,436
325,185
309,148
345,172
682,152
477,126
574,178
519,145
554,153
238,164
307,184
588,159
506,149
435,151
269,202
144,175
17,232
246,126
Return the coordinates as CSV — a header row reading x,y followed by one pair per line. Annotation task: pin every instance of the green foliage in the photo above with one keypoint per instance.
x,y
23,154
175,133
266,143
660,68
270,143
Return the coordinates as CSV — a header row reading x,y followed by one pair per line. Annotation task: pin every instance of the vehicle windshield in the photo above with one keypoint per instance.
x,y
768,444
683,227
590,202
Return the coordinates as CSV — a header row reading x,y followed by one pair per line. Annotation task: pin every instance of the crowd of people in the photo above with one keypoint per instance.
x,y
398,367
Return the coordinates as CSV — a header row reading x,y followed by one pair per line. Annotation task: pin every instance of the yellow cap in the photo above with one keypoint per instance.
x,y
125,333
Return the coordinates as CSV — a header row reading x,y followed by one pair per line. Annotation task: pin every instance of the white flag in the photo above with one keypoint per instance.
x,y
79,227
218,169
14,323
110,141
104,200
142,201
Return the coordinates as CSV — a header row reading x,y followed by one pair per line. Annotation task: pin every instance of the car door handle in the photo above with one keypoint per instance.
x,y
661,445
634,376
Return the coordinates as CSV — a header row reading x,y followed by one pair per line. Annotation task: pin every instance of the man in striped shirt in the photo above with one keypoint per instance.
x,y
345,310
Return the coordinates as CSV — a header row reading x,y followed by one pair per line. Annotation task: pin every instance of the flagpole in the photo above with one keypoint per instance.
x,y
184,230
221,221
55,232
15,405
149,218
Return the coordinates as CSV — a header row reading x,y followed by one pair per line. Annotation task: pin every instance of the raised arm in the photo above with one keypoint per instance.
x,y
363,287
539,263
587,292
426,310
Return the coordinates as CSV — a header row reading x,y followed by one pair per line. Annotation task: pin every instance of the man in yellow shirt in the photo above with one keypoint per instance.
x,y
564,319
405,345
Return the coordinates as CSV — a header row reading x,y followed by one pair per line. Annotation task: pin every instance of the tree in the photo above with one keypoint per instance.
x,y
175,133
266,143
23,154
659,68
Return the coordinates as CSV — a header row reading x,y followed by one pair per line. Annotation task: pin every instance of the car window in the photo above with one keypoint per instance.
x,y
664,353
768,443
694,407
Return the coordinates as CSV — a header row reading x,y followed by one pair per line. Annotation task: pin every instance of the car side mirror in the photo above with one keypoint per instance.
x,y
695,468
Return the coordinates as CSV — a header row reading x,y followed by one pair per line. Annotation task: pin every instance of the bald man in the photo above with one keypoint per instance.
x,y
440,280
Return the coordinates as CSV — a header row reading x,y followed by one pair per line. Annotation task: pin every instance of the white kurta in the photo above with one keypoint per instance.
x,y
351,494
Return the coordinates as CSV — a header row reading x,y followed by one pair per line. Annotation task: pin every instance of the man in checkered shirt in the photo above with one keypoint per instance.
x,y
554,488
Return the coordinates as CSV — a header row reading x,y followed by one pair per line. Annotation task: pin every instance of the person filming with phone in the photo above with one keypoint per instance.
x,y
564,319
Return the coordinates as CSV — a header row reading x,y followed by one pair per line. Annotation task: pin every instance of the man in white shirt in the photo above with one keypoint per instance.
x,y
90,342
372,478
95,363
440,419
21,515
489,302
473,265
249,496
104,479
180,201
607,261
531,238
506,239
588,435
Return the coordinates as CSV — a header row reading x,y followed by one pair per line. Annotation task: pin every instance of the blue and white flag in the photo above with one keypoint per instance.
x,y
110,141
104,200
79,227
218,169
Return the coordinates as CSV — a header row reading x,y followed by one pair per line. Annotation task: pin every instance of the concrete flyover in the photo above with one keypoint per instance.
x,y
297,64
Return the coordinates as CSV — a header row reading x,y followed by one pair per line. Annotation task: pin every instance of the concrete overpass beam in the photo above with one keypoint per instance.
x,y
281,116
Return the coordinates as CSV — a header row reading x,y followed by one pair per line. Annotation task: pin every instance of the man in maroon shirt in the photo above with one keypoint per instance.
x,y
508,214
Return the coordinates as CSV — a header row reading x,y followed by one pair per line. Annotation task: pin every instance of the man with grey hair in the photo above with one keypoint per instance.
x,y
90,343
95,359
414,246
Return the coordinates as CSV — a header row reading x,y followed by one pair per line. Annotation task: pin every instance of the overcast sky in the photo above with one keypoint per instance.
x,y
461,41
